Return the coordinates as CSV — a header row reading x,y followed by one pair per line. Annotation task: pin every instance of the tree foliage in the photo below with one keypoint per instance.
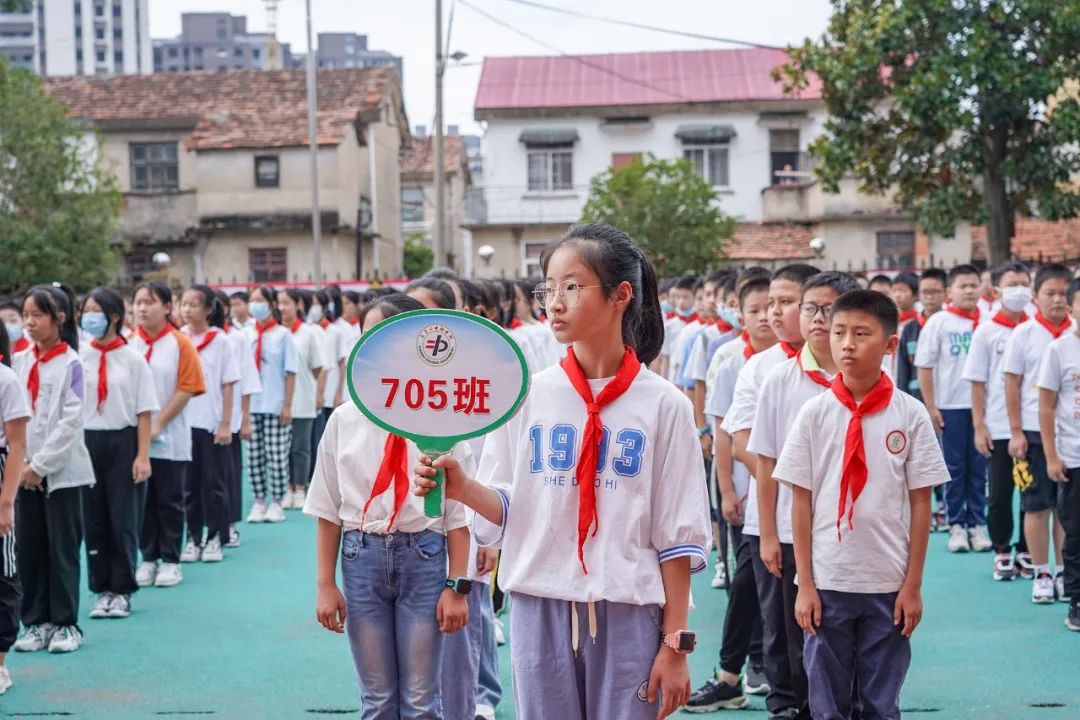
x,y
16,6
667,208
58,206
419,256
947,102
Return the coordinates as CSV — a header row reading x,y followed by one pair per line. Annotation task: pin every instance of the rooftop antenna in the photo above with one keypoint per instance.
x,y
273,61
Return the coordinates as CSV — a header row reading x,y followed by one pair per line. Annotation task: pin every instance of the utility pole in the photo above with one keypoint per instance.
x,y
313,151
437,237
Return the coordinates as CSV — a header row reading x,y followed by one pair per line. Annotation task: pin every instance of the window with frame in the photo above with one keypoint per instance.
x,y
621,160
154,167
896,250
711,162
138,263
784,156
551,168
412,204
267,171
267,265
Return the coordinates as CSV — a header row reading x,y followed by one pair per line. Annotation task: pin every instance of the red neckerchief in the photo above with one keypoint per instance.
x,y
670,314
324,323
689,318
921,317
355,320
33,383
103,373
908,315
1002,319
394,467
972,315
854,472
748,349
260,328
207,339
594,430
1055,332
515,324
722,326
21,344
543,318
296,324
816,375
789,349
225,325
151,340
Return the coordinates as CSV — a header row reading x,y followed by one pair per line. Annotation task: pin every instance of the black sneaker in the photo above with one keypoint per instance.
x,y
756,683
715,695
1072,620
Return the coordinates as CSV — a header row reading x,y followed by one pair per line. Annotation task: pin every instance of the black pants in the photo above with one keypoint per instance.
x,y
300,459
50,535
999,517
317,429
207,489
1069,515
234,467
163,513
770,591
111,511
742,619
10,589
793,632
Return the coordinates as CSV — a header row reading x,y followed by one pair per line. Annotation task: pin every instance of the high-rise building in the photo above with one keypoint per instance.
x,y
349,50
218,41
79,37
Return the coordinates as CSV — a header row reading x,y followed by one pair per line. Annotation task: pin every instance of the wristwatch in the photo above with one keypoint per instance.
x,y
703,431
681,641
462,586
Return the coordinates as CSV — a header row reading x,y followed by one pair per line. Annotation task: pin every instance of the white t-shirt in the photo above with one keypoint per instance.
x,y
988,308
943,346
984,364
902,454
219,367
673,327
1060,372
278,360
677,350
174,363
249,384
1023,352
652,503
346,464
786,389
724,371
131,388
336,348
697,363
13,401
309,353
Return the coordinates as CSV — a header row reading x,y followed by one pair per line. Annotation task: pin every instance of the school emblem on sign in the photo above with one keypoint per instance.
x,y
895,442
436,345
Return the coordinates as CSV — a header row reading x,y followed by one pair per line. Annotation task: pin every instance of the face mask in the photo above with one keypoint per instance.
x,y
14,332
314,314
95,324
259,310
685,313
665,307
330,307
729,315
1016,298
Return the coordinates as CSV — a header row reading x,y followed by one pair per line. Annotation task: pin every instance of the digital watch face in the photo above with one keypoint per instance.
x,y
687,641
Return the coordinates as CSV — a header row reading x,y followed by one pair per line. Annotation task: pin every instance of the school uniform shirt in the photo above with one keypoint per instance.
x,y
684,346
678,347
309,355
13,401
943,347
174,364
346,465
278,358
696,367
902,454
130,388
528,342
784,392
907,375
1059,371
651,497
249,375
988,308
336,348
984,364
673,327
1023,352
217,359
54,435
717,404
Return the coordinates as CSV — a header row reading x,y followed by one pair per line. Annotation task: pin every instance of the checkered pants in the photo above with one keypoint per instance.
x,y
268,456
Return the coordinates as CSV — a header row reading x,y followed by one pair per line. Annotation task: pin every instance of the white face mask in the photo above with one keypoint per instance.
x,y
1016,298
314,314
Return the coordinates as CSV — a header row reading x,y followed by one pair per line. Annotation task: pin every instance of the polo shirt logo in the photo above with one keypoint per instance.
x,y
895,442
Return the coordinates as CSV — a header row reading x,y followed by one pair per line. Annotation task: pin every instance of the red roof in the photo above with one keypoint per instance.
x,y
761,241
647,78
1035,239
420,158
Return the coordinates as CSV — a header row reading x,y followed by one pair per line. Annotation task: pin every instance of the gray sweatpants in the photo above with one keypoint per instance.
x,y
606,678
461,660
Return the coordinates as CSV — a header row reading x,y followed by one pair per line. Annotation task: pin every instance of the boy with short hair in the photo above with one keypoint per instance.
x,y
943,348
904,292
882,284
983,369
931,290
681,297
1059,420
1023,352
861,461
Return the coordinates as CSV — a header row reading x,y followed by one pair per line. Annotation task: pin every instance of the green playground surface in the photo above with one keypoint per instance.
x,y
239,640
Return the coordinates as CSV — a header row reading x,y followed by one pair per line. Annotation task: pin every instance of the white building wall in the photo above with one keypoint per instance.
x,y
62,45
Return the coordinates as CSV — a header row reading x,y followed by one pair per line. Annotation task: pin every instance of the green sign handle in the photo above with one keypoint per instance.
x,y
433,505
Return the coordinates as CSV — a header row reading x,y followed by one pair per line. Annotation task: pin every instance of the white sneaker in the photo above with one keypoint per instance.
x,y
234,537
500,635
5,680
168,575
298,499
1004,568
286,502
1059,587
101,607
980,539
274,513
958,540
191,553
485,712
120,607
34,638
145,574
718,580
258,512
65,640
212,552
1042,589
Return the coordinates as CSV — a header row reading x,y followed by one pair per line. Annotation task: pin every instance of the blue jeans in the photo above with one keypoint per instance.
x,y
392,584
489,685
965,493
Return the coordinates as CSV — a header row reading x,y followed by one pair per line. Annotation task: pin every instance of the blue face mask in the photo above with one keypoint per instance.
x,y
314,314
95,324
14,331
259,310
730,315
685,313
330,307
665,307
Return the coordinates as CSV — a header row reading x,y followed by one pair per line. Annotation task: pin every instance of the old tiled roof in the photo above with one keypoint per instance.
x,y
239,109
1035,239
645,78
767,241
420,158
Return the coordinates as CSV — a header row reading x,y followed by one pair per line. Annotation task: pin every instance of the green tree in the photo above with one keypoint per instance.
x,y
16,6
667,208
58,206
946,101
419,256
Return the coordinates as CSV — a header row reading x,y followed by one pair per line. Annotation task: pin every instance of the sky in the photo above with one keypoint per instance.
x,y
407,28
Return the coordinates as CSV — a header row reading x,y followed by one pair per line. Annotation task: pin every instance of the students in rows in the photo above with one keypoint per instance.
x,y
57,469
307,393
241,315
983,369
431,293
1023,352
14,413
632,498
932,283
271,410
394,622
1059,421
695,364
350,315
336,349
120,398
210,415
681,297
